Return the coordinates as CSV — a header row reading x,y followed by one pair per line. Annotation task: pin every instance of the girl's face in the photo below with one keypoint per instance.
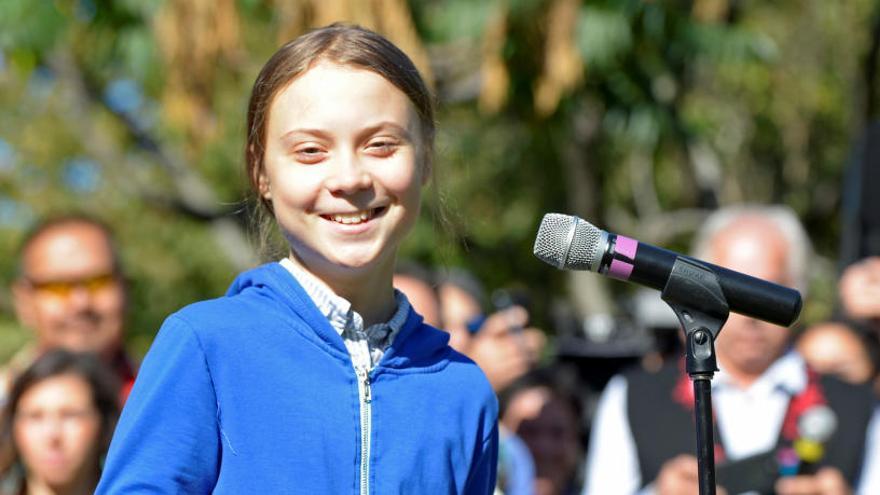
x,y
56,430
342,168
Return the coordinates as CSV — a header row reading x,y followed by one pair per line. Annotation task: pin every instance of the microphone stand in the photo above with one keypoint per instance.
x,y
694,294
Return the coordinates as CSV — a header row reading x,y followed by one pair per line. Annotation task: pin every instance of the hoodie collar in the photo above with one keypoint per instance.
x,y
403,352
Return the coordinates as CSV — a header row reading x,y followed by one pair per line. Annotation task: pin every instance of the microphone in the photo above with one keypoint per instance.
x,y
815,428
571,243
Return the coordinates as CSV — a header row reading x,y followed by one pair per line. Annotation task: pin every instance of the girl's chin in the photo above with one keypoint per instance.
x,y
329,255
358,262
344,261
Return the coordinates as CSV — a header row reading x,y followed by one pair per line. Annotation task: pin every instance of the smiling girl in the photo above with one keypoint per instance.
x,y
313,375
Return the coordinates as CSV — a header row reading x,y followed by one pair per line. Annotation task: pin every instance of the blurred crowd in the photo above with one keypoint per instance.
x,y
601,407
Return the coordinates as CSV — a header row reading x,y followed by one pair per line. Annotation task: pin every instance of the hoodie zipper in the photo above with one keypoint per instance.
x,y
365,398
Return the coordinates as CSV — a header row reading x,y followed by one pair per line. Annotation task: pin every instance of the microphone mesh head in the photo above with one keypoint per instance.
x,y
567,242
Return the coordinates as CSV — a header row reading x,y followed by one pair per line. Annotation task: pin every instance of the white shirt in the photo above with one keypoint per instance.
x,y
749,420
365,345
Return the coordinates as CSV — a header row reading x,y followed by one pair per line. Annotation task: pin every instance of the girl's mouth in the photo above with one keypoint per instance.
x,y
355,218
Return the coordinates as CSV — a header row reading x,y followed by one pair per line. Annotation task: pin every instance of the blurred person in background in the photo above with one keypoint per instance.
x,y
516,470
500,342
417,283
859,289
461,306
836,348
504,349
516,466
57,425
643,435
859,253
71,293
543,410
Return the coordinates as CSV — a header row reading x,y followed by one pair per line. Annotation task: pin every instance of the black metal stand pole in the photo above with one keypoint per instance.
x,y
693,292
705,437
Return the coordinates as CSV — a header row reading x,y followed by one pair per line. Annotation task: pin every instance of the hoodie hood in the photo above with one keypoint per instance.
x,y
417,345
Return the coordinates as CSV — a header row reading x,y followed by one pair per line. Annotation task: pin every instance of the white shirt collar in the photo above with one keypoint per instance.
x,y
337,309
788,373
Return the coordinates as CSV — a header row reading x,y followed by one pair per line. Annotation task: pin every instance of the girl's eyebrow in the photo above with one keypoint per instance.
x,y
397,128
288,137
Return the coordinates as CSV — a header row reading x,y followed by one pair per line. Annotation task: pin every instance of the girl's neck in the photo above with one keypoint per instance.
x,y
370,292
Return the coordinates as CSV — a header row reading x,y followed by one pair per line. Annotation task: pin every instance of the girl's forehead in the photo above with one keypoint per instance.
x,y
326,80
333,95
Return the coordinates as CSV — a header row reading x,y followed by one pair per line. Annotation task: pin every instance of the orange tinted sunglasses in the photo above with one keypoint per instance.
x,y
63,288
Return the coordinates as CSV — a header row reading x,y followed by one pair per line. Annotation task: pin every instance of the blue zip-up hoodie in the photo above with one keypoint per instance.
x,y
255,393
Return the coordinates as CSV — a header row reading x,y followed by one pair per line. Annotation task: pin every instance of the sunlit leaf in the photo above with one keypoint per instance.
x,y
603,35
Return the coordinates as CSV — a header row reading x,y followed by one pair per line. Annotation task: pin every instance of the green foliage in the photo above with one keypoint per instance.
x,y
12,337
449,20
603,36
31,27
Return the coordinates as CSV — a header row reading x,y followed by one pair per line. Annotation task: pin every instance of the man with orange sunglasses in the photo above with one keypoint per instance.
x,y
70,292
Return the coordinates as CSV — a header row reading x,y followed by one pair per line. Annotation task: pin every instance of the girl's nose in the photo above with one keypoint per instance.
x,y
348,176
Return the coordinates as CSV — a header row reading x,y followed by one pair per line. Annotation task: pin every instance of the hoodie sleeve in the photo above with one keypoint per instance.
x,y
167,439
481,480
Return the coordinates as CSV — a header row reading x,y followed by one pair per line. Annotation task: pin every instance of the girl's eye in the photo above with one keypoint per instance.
x,y
382,147
309,154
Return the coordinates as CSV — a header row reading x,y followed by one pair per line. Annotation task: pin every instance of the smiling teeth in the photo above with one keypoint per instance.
x,y
352,218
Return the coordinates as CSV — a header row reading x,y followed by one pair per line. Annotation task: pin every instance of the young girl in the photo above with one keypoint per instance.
x,y
312,375
57,425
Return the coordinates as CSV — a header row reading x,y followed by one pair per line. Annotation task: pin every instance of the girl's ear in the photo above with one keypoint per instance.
x,y
263,184
261,178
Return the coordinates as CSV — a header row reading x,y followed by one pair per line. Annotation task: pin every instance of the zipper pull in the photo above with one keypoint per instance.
x,y
367,396
365,376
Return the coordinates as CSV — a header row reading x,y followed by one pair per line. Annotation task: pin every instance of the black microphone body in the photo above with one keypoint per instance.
x,y
745,294
624,258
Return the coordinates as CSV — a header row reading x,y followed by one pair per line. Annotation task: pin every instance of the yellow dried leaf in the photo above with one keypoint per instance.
x,y
494,76
563,65
392,18
710,11
194,38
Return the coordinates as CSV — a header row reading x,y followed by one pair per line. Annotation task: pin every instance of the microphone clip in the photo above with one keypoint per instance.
x,y
694,293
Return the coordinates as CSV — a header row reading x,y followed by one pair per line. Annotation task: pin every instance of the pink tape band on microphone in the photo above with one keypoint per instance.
x,y
620,270
626,246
